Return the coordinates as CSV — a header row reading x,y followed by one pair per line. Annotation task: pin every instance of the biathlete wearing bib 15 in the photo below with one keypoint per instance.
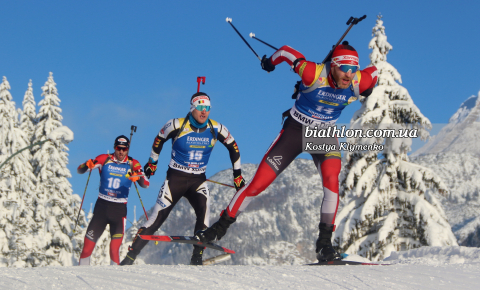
x,y
325,90
117,171
193,139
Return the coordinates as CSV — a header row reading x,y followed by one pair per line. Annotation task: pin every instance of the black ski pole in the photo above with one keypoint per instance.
x,y
229,20
80,209
134,129
352,21
252,35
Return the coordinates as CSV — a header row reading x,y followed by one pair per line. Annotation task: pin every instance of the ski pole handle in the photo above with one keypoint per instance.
x,y
252,35
229,20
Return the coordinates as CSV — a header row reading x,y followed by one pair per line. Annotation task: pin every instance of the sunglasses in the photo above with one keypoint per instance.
x,y
118,148
346,67
202,107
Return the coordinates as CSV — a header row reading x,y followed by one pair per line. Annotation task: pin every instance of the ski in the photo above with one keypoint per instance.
x,y
342,263
217,259
185,240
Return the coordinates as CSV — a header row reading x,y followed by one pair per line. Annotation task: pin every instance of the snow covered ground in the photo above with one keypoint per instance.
x,y
424,268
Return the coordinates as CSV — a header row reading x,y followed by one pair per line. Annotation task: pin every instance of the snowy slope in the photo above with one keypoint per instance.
x,y
279,227
460,135
424,268
454,154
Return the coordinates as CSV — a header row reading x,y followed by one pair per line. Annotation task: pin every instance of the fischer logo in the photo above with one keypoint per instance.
x,y
123,139
90,234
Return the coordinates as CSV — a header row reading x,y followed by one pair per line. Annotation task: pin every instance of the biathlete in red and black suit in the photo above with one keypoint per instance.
x,y
193,139
117,172
325,90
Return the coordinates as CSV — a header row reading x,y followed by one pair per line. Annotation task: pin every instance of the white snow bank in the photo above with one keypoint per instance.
x,y
398,277
436,256
63,134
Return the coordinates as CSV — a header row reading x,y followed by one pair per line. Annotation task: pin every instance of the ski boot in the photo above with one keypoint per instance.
x,y
129,258
197,256
325,251
217,230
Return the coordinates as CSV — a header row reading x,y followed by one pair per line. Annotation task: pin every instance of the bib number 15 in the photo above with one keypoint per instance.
x,y
195,155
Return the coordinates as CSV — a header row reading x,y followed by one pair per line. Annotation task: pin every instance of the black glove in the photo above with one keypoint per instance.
x,y
267,64
238,179
150,168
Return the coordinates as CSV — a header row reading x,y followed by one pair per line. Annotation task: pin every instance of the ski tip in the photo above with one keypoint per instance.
x,y
228,251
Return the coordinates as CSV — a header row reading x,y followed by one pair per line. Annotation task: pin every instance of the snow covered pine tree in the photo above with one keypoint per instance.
x,y
17,186
56,207
388,203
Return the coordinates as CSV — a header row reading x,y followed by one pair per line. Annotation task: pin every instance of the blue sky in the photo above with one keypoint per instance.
x,y
123,63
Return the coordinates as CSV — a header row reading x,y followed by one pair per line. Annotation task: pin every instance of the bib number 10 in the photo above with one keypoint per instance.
x,y
195,155
114,182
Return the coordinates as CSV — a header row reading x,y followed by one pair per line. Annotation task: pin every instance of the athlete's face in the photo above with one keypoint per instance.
x,y
200,116
343,79
121,152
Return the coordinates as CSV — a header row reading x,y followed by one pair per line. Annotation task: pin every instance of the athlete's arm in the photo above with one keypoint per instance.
x,y
368,80
307,70
228,141
137,168
168,131
97,162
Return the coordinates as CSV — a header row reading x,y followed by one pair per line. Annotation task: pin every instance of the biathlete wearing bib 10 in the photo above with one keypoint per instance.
x,y
325,90
192,144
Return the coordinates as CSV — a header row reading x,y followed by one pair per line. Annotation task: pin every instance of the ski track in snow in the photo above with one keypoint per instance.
x,y
395,276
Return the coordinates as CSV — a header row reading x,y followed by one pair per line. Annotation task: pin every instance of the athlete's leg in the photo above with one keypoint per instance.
x,y
284,149
117,219
166,200
199,198
94,231
172,190
329,165
281,153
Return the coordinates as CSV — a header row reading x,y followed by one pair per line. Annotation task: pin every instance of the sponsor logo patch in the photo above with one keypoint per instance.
x,y
328,103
